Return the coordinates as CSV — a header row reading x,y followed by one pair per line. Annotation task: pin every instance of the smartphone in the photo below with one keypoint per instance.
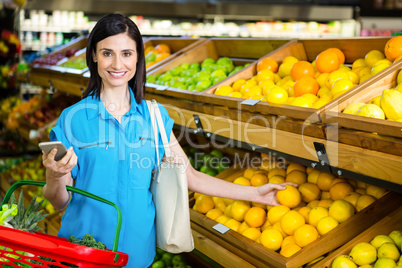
x,y
48,146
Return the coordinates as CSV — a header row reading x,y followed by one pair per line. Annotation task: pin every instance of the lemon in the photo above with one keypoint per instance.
x,y
353,77
379,67
323,91
396,236
383,61
353,108
385,263
371,110
399,78
363,253
358,64
334,76
301,102
235,94
251,91
341,210
373,56
290,59
343,261
321,79
285,68
391,103
376,101
326,224
223,90
265,74
320,103
271,239
277,95
341,85
378,240
388,250
364,77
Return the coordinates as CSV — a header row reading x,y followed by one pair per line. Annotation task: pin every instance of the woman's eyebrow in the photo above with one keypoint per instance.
x,y
108,49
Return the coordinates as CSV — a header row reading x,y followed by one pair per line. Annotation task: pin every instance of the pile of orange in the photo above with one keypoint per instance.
x,y
313,84
319,203
154,54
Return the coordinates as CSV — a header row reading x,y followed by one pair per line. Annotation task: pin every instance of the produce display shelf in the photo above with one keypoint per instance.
x,y
385,226
259,256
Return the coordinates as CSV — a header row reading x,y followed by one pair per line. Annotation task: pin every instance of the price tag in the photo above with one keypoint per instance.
x,y
161,88
250,102
221,228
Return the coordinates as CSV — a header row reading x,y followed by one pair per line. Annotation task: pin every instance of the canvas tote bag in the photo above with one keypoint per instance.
x,y
170,195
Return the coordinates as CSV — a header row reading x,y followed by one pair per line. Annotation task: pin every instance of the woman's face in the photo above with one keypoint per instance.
x,y
117,60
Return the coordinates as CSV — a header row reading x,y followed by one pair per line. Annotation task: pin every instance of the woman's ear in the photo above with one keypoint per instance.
x,y
94,56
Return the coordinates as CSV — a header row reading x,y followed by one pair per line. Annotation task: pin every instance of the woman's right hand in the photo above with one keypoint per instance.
x,y
58,169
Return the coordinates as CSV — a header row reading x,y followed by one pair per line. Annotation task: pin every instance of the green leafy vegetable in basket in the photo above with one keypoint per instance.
x,y
88,241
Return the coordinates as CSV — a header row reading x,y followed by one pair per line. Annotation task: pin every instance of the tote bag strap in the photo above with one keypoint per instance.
x,y
162,130
154,126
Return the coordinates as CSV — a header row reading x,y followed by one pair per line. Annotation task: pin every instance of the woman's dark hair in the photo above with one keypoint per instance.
x,y
109,25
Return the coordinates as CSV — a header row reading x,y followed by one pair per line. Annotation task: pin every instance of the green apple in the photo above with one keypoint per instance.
x,y
191,87
208,68
176,70
378,240
191,72
202,85
151,79
202,76
217,153
195,66
166,77
218,73
216,80
207,61
224,60
150,57
185,66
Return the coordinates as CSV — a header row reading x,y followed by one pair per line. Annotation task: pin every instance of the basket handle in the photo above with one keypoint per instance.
x,y
76,190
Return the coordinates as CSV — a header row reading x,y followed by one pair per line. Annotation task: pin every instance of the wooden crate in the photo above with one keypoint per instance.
x,y
177,47
241,51
259,256
386,80
389,223
303,50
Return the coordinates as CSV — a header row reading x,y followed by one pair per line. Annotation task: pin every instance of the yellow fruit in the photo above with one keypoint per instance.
x,y
324,181
385,263
214,213
222,219
255,217
341,210
277,179
301,102
376,101
251,91
289,250
223,90
313,98
316,214
265,225
239,209
353,77
305,211
364,201
352,198
325,203
309,191
258,179
305,235
399,78
326,224
235,94
242,181
238,84
289,197
378,68
227,201
313,176
358,64
340,190
343,261
321,79
296,176
277,95
363,253
360,190
371,110
291,221
277,226
341,85
290,239
294,166
364,77
275,213
233,224
249,172
375,191
335,76
353,108
378,240
204,203
228,211
243,226
252,233
271,239
325,195
373,56
313,203
276,171
396,235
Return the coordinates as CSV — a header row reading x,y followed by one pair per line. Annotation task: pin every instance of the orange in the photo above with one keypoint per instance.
x,y
375,191
296,176
313,203
275,213
364,201
316,214
305,211
309,191
239,209
305,234
219,203
290,239
305,85
214,213
289,250
162,48
243,226
233,224
324,181
313,176
277,226
242,181
258,179
340,190
249,172
294,166
267,63
255,217
291,221
301,69
276,179
238,84
228,211
339,53
204,203
325,203
326,224
327,61
276,171
352,198
222,219
252,233
393,48
341,210
271,239
148,49
360,190
325,195
336,180
289,197
162,56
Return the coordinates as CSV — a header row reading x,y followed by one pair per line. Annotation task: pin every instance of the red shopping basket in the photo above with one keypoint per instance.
x,y
23,249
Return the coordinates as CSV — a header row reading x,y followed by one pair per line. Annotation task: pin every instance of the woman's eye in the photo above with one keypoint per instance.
x,y
127,54
107,54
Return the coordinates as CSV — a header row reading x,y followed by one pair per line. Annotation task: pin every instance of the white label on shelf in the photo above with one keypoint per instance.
x,y
161,88
250,102
221,228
